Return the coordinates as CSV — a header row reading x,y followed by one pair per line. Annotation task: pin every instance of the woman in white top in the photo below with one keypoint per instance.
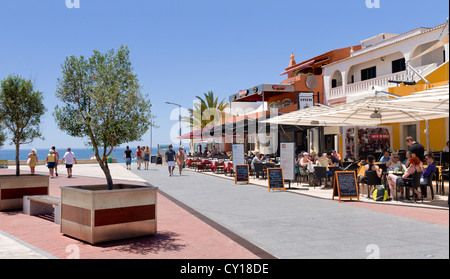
x,y
394,162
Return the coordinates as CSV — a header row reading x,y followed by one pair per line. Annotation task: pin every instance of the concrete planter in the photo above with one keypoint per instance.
x,y
13,188
94,214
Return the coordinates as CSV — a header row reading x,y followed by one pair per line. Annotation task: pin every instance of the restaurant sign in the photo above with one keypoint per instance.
x,y
380,136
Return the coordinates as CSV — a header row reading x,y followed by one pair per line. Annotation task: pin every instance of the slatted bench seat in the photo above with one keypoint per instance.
x,y
42,205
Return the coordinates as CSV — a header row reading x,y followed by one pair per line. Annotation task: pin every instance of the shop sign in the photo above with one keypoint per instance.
x,y
243,93
305,100
279,87
380,136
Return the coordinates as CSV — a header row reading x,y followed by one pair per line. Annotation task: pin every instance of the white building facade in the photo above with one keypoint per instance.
x,y
385,58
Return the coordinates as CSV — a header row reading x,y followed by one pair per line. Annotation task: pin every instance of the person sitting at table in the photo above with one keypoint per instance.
x,y
394,162
337,155
393,180
323,162
431,167
304,160
332,159
370,166
386,158
446,148
256,159
408,156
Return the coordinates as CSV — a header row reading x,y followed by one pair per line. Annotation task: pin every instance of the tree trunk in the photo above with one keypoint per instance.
x,y
17,159
105,168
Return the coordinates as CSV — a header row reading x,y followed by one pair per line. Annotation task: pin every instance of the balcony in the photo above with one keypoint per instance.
x,y
341,92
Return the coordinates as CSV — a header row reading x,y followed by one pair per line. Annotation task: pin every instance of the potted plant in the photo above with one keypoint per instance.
x,y
103,104
21,108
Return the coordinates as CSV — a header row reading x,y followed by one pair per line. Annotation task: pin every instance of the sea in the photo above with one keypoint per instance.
x,y
80,153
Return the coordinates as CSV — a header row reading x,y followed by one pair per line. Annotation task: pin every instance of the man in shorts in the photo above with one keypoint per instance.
x,y
69,159
127,156
170,159
57,159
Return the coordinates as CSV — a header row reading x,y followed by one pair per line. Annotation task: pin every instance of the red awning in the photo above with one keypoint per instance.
x,y
299,67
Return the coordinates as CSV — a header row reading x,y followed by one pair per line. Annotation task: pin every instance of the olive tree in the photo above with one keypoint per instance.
x,y
102,102
21,109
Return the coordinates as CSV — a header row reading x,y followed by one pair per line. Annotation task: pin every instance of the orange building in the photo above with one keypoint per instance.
x,y
302,88
307,76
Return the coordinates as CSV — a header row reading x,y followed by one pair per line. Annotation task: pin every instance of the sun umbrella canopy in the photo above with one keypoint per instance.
x,y
381,108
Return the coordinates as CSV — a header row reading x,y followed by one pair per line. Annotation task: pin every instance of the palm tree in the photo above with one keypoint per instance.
x,y
206,111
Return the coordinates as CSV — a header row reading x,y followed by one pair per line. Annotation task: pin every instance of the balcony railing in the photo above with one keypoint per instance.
x,y
364,86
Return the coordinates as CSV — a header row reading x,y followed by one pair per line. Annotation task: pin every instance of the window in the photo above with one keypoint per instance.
x,y
398,65
369,73
333,83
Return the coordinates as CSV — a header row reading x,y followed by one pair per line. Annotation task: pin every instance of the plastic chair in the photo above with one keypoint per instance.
x,y
424,187
372,180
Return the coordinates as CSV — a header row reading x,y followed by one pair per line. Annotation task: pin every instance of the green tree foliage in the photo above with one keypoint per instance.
x,y
102,102
21,109
206,110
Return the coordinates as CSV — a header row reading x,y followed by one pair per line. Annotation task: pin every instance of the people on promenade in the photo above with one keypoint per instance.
x,y
170,159
51,162
69,159
56,159
32,160
127,156
146,157
180,159
139,155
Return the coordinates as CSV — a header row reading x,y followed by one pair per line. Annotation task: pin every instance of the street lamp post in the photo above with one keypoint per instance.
x,y
179,116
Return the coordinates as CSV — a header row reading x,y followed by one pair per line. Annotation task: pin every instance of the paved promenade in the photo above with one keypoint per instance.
x,y
202,216
289,225
180,235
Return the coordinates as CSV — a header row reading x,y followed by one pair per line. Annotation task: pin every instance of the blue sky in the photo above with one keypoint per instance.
x,y
181,48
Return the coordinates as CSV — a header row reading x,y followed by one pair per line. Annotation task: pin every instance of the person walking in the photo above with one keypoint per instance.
x,y
138,157
69,159
127,156
51,162
32,160
180,159
146,157
56,159
170,159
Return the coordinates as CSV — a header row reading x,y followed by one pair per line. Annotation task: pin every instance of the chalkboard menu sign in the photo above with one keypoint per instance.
x,y
153,159
241,174
345,185
275,179
159,160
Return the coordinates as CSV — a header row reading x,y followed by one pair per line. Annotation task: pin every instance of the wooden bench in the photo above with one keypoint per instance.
x,y
42,205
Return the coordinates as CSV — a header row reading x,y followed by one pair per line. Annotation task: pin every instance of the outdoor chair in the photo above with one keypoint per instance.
x,y
412,183
424,187
320,173
259,169
372,180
